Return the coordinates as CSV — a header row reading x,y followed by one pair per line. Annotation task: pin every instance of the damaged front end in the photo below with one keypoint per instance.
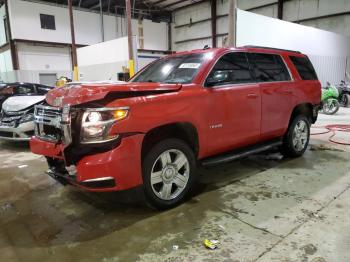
x,y
67,135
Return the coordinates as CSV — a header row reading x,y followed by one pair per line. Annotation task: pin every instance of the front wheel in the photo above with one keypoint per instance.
x,y
169,171
297,137
331,106
345,100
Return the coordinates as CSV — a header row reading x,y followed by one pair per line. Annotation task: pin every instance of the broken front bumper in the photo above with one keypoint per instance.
x,y
116,169
22,132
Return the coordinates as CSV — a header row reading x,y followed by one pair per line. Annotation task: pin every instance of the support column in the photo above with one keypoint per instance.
x,y
74,48
280,9
213,22
232,23
130,40
169,37
102,25
12,43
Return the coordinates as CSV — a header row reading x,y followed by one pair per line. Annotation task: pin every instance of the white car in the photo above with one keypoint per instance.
x,y
17,117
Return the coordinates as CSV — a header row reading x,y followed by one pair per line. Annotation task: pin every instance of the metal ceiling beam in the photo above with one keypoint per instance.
x,y
191,4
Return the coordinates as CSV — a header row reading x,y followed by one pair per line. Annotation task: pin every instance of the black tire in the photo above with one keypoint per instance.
x,y
288,149
152,159
345,100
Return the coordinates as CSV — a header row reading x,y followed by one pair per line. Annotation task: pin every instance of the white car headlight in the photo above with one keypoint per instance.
x,y
97,122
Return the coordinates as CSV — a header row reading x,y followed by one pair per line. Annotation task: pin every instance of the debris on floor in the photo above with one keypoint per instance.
x,y
6,206
211,244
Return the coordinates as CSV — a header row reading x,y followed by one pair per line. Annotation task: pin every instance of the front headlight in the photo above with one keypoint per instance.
x,y
26,118
97,122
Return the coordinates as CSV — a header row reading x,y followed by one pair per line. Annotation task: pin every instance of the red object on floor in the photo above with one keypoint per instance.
x,y
333,129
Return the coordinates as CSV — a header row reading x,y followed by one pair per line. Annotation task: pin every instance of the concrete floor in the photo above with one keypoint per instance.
x,y
262,208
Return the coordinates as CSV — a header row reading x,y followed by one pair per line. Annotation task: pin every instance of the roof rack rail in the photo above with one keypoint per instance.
x,y
272,48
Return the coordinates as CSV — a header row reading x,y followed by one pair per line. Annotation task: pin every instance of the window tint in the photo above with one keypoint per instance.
x,y
304,67
232,68
47,22
268,67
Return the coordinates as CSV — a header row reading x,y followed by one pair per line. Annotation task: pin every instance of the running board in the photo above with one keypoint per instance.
x,y
240,153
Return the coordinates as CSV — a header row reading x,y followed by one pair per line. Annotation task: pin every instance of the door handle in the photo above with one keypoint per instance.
x,y
252,95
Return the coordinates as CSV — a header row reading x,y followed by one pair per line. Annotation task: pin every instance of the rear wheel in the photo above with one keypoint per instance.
x,y
297,138
168,170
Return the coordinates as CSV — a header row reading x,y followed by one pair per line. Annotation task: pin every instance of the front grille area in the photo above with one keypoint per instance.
x,y
11,119
48,123
48,112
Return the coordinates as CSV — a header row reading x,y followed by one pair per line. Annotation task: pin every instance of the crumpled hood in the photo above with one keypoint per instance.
x,y
79,94
19,103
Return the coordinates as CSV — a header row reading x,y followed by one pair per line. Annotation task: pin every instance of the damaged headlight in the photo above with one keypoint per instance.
x,y
97,122
27,118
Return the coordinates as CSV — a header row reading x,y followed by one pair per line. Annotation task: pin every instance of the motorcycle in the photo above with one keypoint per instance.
x,y
344,94
329,100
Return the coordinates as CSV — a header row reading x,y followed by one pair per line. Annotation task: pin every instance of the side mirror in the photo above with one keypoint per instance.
x,y
218,77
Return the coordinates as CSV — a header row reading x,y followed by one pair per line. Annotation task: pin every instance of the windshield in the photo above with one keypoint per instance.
x,y
176,69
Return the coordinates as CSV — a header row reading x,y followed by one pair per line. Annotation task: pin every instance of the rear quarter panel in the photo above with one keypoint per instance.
x,y
304,91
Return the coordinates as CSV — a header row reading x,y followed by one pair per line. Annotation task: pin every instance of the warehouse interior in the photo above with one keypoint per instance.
x,y
86,121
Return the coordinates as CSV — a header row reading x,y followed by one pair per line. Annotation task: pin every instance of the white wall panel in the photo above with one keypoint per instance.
x,y
103,61
256,29
155,35
25,24
6,61
38,57
107,52
328,51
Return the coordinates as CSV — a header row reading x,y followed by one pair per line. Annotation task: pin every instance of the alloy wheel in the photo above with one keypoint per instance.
x,y
300,135
170,174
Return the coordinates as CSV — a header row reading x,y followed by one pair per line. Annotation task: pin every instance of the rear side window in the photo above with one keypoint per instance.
x,y
232,68
268,67
304,67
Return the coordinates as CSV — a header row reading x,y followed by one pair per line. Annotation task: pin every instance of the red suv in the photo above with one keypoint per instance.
x,y
203,107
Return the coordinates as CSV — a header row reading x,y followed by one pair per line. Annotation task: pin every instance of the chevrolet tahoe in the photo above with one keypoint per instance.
x,y
201,107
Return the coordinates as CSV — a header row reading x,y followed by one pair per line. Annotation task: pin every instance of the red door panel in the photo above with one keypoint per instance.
x,y
233,116
277,104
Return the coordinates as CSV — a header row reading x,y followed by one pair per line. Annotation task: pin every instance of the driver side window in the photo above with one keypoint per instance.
x,y
232,68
